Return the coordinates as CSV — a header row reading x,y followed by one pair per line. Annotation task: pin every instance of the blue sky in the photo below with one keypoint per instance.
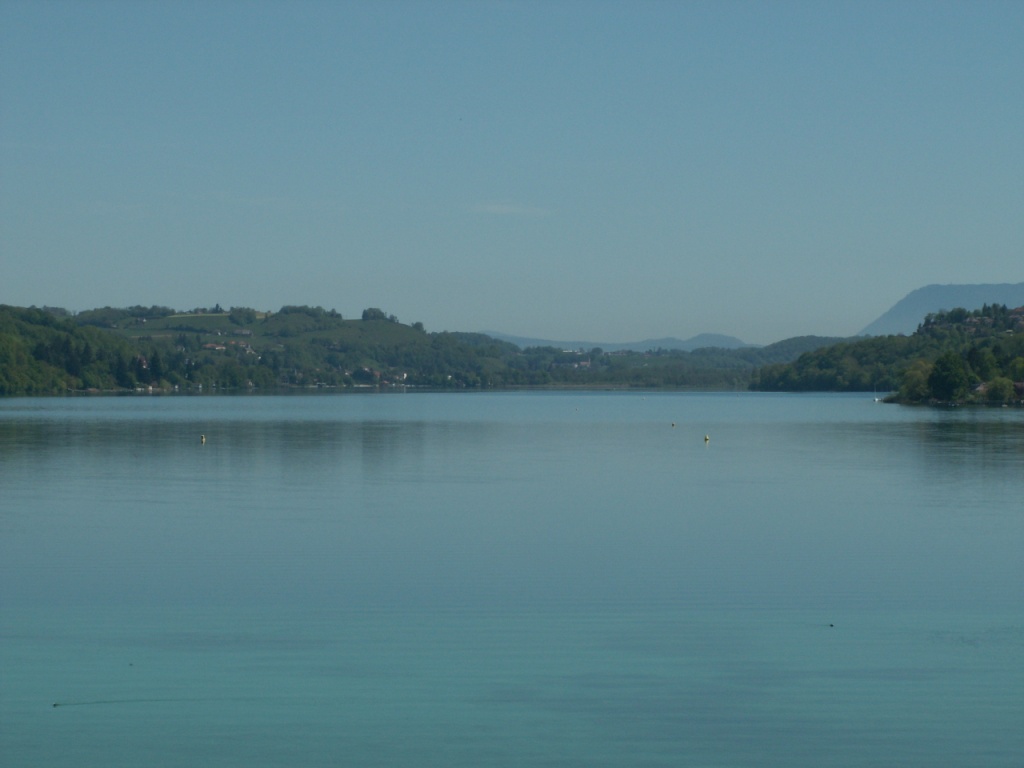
x,y
566,170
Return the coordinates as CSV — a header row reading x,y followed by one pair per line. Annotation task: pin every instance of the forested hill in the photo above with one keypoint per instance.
x,y
906,314
50,351
43,353
953,357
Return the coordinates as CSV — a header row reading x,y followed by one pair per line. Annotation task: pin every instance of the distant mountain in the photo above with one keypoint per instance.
x,y
908,312
699,341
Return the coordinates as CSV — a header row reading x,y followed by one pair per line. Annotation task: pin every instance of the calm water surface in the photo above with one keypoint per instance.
x,y
510,579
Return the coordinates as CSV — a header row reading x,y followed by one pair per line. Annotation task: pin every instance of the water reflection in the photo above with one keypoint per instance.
x,y
370,501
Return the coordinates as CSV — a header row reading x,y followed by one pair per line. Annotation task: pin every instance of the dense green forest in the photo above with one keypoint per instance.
x,y
958,356
47,351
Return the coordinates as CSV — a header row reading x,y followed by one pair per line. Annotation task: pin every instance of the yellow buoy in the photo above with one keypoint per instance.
x,y
707,439
202,439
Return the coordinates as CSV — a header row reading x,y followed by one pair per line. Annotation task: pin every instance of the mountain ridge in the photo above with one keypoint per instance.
x,y
906,314
902,318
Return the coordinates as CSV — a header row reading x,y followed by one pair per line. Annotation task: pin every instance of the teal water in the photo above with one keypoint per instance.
x,y
510,579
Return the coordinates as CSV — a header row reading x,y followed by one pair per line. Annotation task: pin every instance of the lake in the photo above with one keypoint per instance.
x,y
528,578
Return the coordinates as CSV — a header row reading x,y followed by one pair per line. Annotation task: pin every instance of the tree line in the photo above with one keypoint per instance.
x,y
108,349
957,356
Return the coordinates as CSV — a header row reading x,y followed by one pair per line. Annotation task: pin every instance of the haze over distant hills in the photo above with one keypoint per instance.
x,y
902,318
907,314
699,341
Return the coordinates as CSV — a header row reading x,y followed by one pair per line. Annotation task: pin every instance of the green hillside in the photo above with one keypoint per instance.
x,y
43,353
956,356
953,357
212,350
297,346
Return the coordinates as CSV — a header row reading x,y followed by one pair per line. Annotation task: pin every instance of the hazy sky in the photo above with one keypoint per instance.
x,y
569,170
